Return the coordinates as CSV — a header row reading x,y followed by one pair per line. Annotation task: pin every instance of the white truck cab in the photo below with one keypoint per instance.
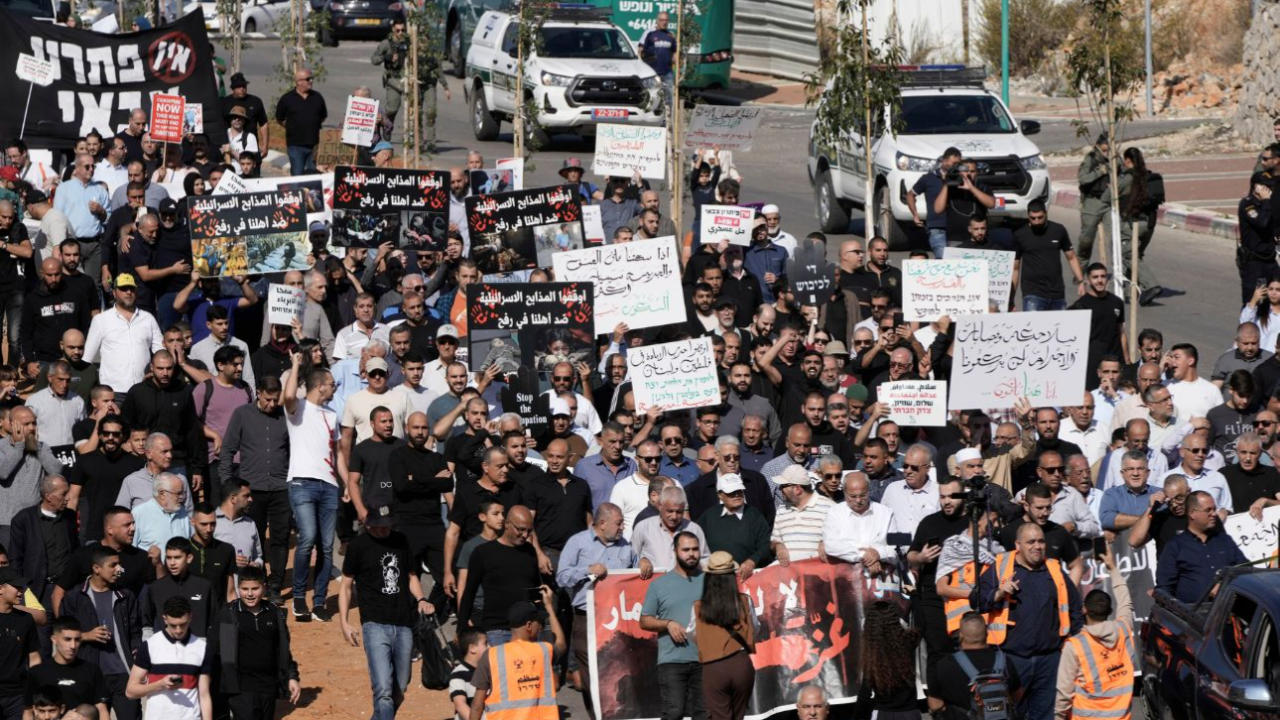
x,y
585,71
941,106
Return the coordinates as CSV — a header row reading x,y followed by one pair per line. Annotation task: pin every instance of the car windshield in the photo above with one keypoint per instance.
x,y
953,115
580,42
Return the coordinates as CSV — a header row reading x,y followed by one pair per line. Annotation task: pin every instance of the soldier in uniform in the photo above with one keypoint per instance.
x,y
1256,253
391,54
1095,195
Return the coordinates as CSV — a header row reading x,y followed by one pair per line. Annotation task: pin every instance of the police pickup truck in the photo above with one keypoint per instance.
x,y
941,106
584,71
1220,658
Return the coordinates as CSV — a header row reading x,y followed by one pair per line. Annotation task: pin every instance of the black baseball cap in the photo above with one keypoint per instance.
x,y
238,80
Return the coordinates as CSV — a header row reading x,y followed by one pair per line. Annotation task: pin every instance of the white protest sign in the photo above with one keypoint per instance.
x,y
916,403
516,166
34,70
284,303
1257,539
726,222
1041,356
622,150
361,120
999,271
230,184
674,376
933,288
726,127
637,282
592,225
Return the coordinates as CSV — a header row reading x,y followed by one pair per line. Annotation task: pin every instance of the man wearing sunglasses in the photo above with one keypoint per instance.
x,y
1037,504
1195,450
1068,508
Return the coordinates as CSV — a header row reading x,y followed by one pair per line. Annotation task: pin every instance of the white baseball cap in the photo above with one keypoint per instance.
x,y
730,483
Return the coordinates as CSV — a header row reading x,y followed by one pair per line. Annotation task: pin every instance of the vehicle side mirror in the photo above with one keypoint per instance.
x,y
1029,127
1254,694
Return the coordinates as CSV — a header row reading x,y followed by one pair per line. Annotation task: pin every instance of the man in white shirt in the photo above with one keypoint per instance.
x,y
111,170
1137,437
798,525
653,538
1084,431
218,320
1106,397
563,375
1081,480
857,530
1192,394
435,374
631,494
352,338
37,173
419,396
1195,448
915,496
123,338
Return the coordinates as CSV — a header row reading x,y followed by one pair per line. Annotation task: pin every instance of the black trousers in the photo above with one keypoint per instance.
x,y
271,512
124,708
252,706
931,621
427,545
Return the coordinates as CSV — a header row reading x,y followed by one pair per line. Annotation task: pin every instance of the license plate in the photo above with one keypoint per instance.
x,y
610,114
368,21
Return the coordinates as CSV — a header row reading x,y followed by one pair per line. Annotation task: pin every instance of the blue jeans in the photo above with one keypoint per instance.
x,y
1039,675
315,511
389,651
1035,303
301,159
938,241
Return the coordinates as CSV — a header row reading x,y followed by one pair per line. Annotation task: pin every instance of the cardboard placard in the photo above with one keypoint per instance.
x,y
230,184
915,403
1257,539
637,282
725,126
360,121
192,119
621,150
726,222
1042,356
34,70
810,275
285,303
674,376
166,118
592,226
516,166
933,288
999,272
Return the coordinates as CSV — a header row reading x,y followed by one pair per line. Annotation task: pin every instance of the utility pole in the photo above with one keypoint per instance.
x,y
677,166
1151,111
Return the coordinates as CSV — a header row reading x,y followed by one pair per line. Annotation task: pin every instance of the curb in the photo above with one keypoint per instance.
x,y
1182,217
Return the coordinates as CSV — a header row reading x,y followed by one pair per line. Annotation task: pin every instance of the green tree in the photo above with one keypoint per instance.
x,y
527,134
300,43
232,35
851,85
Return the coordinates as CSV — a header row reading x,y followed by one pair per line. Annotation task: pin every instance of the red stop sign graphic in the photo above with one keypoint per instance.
x,y
172,57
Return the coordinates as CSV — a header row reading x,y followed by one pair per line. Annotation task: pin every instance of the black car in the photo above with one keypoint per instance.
x,y
357,18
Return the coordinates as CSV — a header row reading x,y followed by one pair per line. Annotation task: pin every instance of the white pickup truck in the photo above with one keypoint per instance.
x,y
584,72
941,107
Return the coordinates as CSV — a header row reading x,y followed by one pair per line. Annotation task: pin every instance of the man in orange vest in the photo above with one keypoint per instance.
x,y
1095,675
1034,607
516,680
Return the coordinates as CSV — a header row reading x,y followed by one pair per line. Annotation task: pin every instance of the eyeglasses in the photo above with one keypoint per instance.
x,y
377,373
1264,423
887,328
914,468
1197,451
736,494
821,339
562,378
900,364
863,343
672,441
832,476
648,458
730,458
879,306
1056,470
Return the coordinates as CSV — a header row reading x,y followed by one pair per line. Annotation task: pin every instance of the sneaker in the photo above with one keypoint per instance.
x,y
1149,295
300,612
320,613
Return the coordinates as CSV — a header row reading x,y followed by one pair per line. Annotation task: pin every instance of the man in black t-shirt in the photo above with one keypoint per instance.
x,y
78,680
368,481
257,122
1106,320
1036,263
379,563
926,546
420,479
136,568
1166,518
1059,545
20,650
968,200
949,681
97,476
302,111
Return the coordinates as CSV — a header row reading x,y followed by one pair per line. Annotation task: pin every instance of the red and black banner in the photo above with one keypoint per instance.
x,y
404,206
100,79
513,230
808,622
548,322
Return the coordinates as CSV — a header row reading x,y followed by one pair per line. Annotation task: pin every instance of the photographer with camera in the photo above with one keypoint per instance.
x,y
963,196
933,185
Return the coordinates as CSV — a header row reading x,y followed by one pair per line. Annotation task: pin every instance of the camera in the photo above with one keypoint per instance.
x,y
952,177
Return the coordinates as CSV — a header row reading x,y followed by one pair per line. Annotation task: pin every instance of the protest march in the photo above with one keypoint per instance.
x,y
604,431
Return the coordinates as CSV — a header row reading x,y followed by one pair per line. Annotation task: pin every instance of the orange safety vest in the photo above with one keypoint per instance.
x,y
1104,688
522,682
999,622
956,607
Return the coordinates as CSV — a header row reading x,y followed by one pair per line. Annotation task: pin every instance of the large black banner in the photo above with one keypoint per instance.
x,y
550,322
407,207
521,229
99,79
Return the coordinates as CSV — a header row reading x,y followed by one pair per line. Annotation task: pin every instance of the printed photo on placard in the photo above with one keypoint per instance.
x,y
372,206
551,239
516,230
493,180
546,322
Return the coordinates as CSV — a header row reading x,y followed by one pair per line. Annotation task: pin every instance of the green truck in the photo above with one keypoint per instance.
x,y
714,54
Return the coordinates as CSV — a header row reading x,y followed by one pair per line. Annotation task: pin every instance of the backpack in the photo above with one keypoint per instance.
x,y
1155,191
990,689
208,395
437,654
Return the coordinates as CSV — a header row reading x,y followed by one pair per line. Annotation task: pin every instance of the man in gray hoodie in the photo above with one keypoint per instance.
x,y
24,461
1096,669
